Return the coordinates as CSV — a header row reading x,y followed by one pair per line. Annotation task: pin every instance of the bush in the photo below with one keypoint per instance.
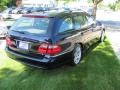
x,y
112,6
118,6
6,3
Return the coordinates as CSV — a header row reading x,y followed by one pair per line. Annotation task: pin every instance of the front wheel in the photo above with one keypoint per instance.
x,y
102,36
77,54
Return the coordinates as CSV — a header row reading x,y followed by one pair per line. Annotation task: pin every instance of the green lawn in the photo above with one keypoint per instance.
x,y
99,70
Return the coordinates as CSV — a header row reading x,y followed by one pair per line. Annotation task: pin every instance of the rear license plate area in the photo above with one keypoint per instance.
x,y
23,45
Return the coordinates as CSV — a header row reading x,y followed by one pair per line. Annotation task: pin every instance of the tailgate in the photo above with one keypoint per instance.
x,y
27,46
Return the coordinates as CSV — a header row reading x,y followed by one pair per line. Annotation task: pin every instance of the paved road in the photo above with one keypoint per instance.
x,y
112,21
109,18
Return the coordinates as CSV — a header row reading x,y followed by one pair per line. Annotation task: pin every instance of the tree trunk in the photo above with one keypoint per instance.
x,y
94,11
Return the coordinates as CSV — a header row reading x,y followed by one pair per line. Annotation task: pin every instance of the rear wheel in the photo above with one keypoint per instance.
x,y
77,54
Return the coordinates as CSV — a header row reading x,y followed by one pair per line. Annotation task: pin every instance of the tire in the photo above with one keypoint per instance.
x,y
102,37
76,55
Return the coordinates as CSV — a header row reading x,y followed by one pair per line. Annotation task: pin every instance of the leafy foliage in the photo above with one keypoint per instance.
x,y
112,6
6,3
115,6
95,4
97,1
118,6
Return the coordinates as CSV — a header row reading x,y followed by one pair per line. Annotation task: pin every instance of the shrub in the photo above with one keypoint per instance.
x,y
112,6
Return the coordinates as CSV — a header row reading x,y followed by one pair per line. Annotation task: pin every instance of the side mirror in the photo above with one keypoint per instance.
x,y
8,27
92,15
99,23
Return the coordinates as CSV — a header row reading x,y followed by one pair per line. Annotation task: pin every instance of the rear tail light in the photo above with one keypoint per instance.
x,y
8,41
49,49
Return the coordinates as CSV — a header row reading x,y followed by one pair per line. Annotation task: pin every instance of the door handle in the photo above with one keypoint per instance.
x,y
82,33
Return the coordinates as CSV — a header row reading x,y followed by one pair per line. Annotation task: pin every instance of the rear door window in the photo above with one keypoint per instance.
x,y
66,26
80,21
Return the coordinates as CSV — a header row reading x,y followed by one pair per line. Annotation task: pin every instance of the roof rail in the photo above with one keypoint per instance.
x,y
66,9
56,9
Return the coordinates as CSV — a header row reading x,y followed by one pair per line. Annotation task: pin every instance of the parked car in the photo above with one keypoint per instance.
x,y
26,10
37,9
45,40
7,13
17,10
9,10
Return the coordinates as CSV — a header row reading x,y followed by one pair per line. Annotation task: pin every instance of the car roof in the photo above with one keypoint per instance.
x,y
53,13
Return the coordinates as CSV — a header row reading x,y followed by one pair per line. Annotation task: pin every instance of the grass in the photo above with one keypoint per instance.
x,y
99,70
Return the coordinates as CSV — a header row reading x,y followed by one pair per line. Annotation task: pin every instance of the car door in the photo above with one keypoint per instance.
x,y
96,30
85,30
65,33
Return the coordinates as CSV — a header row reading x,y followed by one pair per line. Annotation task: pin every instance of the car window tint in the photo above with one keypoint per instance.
x,y
85,24
66,25
80,21
26,22
31,25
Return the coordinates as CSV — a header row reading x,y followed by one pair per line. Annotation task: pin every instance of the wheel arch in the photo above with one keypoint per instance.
x,y
82,46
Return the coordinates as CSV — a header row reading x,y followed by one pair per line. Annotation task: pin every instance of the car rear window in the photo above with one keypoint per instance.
x,y
32,25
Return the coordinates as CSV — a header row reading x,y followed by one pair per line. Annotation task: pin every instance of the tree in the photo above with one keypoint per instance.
x,y
65,1
3,4
11,3
117,1
112,6
6,3
95,4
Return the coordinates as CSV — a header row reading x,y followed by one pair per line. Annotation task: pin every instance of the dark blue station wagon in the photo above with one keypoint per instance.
x,y
51,38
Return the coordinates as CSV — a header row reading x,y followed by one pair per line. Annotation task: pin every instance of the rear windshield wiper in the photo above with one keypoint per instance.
x,y
19,31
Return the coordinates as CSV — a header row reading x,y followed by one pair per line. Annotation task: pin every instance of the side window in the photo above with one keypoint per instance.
x,y
90,20
66,25
80,21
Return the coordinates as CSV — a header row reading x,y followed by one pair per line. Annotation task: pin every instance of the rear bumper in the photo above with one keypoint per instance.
x,y
49,62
